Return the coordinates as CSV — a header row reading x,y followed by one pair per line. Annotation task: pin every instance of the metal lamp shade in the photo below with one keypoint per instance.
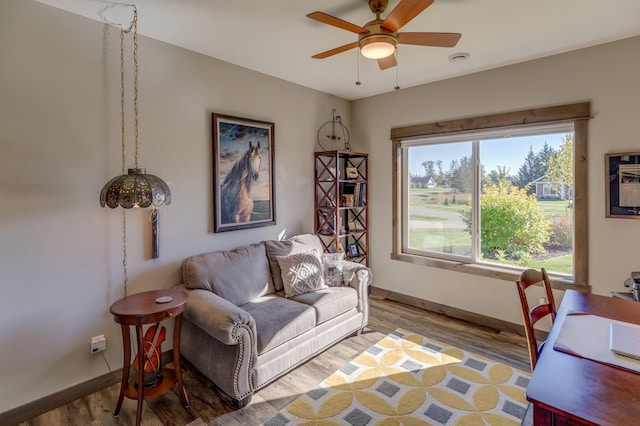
x,y
135,189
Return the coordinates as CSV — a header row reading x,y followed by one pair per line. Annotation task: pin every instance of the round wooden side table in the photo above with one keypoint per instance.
x,y
135,311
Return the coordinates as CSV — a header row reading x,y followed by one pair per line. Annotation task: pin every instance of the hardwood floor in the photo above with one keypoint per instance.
x,y
208,408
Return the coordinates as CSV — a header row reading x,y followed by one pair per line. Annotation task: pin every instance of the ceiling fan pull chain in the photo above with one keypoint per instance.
x,y
358,83
397,67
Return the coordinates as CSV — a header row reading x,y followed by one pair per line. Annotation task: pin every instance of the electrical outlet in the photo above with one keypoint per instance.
x,y
98,344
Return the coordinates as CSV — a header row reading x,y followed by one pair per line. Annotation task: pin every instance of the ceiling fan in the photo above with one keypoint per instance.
x,y
378,39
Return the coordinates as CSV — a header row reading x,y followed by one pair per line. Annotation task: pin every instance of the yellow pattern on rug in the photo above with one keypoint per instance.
x,y
408,379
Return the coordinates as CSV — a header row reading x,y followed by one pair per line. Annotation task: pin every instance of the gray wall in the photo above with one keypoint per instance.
x,y
605,75
60,252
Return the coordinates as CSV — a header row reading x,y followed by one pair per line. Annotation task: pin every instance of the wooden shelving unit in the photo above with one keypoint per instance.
x,y
341,194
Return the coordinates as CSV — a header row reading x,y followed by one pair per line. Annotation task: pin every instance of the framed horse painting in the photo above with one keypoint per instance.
x,y
243,173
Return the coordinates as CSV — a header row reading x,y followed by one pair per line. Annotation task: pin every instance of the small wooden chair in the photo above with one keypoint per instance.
x,y
531,316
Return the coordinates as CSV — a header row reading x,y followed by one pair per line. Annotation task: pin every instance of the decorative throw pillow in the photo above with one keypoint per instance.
x,y
294,245
281,248
301,273
332,267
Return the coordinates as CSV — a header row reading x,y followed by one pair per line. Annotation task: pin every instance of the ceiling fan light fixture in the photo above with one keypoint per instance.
x,y
377,46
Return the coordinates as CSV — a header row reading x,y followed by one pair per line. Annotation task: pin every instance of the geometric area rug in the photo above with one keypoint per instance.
x,y
408,379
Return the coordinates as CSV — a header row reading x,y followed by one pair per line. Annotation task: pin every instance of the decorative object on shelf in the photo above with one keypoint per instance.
x,y
333,135
136,188
354,251
355,226
243,173
347,200
352,173
326,223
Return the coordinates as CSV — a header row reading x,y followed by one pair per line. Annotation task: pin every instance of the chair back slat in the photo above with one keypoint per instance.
x,y
540,311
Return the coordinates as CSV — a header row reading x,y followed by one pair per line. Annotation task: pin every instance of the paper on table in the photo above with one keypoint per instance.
x,y
587,336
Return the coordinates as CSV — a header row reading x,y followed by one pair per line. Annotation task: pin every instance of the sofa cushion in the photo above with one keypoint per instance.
x,y
301,273
310,241
294,245
238,275
330,302
279,320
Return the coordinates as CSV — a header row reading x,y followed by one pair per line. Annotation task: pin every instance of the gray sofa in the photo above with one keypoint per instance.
x,y
244,326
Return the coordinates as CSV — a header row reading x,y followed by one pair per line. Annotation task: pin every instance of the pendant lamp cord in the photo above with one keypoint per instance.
x,y
135,87
122,137
134,27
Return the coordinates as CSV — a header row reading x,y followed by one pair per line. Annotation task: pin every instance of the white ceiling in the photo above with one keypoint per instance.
x,y
276,38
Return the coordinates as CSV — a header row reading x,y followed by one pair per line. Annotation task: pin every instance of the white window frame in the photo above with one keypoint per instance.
x,y
475,138
463,129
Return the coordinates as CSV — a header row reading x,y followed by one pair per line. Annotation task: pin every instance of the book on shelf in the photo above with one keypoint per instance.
x,y
359,194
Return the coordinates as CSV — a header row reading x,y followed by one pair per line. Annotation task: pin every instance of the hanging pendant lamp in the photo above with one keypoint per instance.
x,y
136,188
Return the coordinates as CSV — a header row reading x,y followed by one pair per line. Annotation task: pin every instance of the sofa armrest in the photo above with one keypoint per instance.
x,y
216,316
360,277
356,275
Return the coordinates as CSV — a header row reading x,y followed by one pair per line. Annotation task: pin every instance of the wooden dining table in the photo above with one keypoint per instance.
x,y
566,389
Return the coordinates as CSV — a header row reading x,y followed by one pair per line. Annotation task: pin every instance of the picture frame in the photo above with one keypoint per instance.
x,y
243,157
622,185
354,250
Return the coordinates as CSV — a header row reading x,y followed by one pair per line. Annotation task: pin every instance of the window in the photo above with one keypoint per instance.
x,y
548,191
494,199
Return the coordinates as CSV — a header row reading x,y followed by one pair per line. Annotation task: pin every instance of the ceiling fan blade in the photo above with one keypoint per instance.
x,y
336,50
405,11
336,22
430,39
388,62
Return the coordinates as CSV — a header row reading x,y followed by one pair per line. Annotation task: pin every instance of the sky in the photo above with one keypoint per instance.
x,y
509,152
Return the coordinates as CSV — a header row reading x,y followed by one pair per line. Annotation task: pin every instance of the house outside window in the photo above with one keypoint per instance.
x,y
503,199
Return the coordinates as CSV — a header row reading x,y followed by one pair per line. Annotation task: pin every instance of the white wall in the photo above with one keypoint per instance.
x,y
607,75
60,252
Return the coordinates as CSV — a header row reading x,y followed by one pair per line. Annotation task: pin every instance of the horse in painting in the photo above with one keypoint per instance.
x,y
236,192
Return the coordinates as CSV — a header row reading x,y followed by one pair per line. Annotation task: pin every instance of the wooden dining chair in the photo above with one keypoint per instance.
x,y
532,315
